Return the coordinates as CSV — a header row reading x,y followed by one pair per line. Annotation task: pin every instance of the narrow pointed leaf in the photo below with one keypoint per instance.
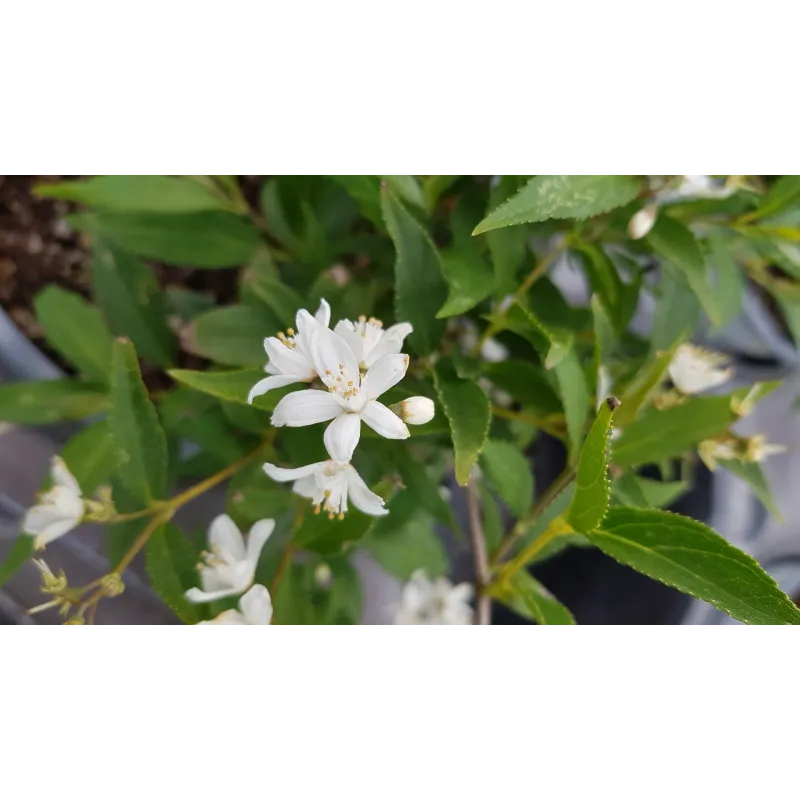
x,y
592,486
469,413
139,442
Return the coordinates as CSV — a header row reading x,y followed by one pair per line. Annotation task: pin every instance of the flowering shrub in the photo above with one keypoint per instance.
x,y
426,332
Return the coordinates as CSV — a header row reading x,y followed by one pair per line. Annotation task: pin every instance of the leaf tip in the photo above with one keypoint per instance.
x,y
613,402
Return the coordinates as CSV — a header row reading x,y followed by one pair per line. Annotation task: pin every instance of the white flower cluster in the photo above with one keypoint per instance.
x,y
356,362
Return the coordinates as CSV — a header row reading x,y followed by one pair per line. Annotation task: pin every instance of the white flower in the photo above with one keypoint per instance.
x,y
748,450
328,484
350,398
256,609
231,565
438,602
694,369
641,223
697,187
710,450
289,359
369,341
59,510
416,410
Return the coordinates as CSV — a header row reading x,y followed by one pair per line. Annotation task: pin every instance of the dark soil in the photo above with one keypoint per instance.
x,y
38,249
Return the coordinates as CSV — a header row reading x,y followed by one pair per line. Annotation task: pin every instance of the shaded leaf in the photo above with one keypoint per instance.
x,y
139,443
45,402
420,289
525,595
509,474
574,397
172,568
469,414
20,552
234,334
470,280
753,475
89,454
76,330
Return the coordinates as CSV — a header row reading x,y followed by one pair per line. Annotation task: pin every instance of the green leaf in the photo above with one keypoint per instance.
x,y
677,245
134,306
562,197
660,435
172,567
423,490
607,286
470,279
469,414
647,379
252,503
525,595
592,486
729,279
419,286
753,475
509,474
575,398
293,601
139,443
434,186
46,402
677,312
281,299
407,187
493,527
508,246
634,490
411,546
76,330
559,341
692,558
231,385
366,191
161,194
526,382
234,334
89,454
205,239
20,552
783,194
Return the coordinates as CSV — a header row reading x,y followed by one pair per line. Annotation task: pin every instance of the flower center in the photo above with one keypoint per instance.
x,y
287,339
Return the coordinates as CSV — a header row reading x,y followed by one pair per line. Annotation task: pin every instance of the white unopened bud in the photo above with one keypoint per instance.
x,y
417,410
323,576
641,223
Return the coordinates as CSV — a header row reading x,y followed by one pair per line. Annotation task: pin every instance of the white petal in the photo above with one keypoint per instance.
x,y
389,344
62,476
401,329
47,524
333,358
363,499
282,475
307,487
383,374
229,617
272,382
323,315
256,606
348,332
641,223
224,535
384,421
417,410
305,408
195,595
341,437
257,538
284,360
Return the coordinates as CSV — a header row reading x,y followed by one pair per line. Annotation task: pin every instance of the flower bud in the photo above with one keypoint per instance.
x,y
416,410
323,576
641,223
112,585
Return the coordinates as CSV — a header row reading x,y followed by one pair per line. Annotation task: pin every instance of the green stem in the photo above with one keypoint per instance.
x,y
550,494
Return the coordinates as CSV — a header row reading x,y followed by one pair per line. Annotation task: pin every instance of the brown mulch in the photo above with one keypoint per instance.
x,y
39,249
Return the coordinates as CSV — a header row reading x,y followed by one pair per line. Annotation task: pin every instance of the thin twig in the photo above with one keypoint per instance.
x,y
550,494
483,603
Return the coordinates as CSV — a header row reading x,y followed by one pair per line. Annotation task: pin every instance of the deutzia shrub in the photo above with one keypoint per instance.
x,y
391,340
